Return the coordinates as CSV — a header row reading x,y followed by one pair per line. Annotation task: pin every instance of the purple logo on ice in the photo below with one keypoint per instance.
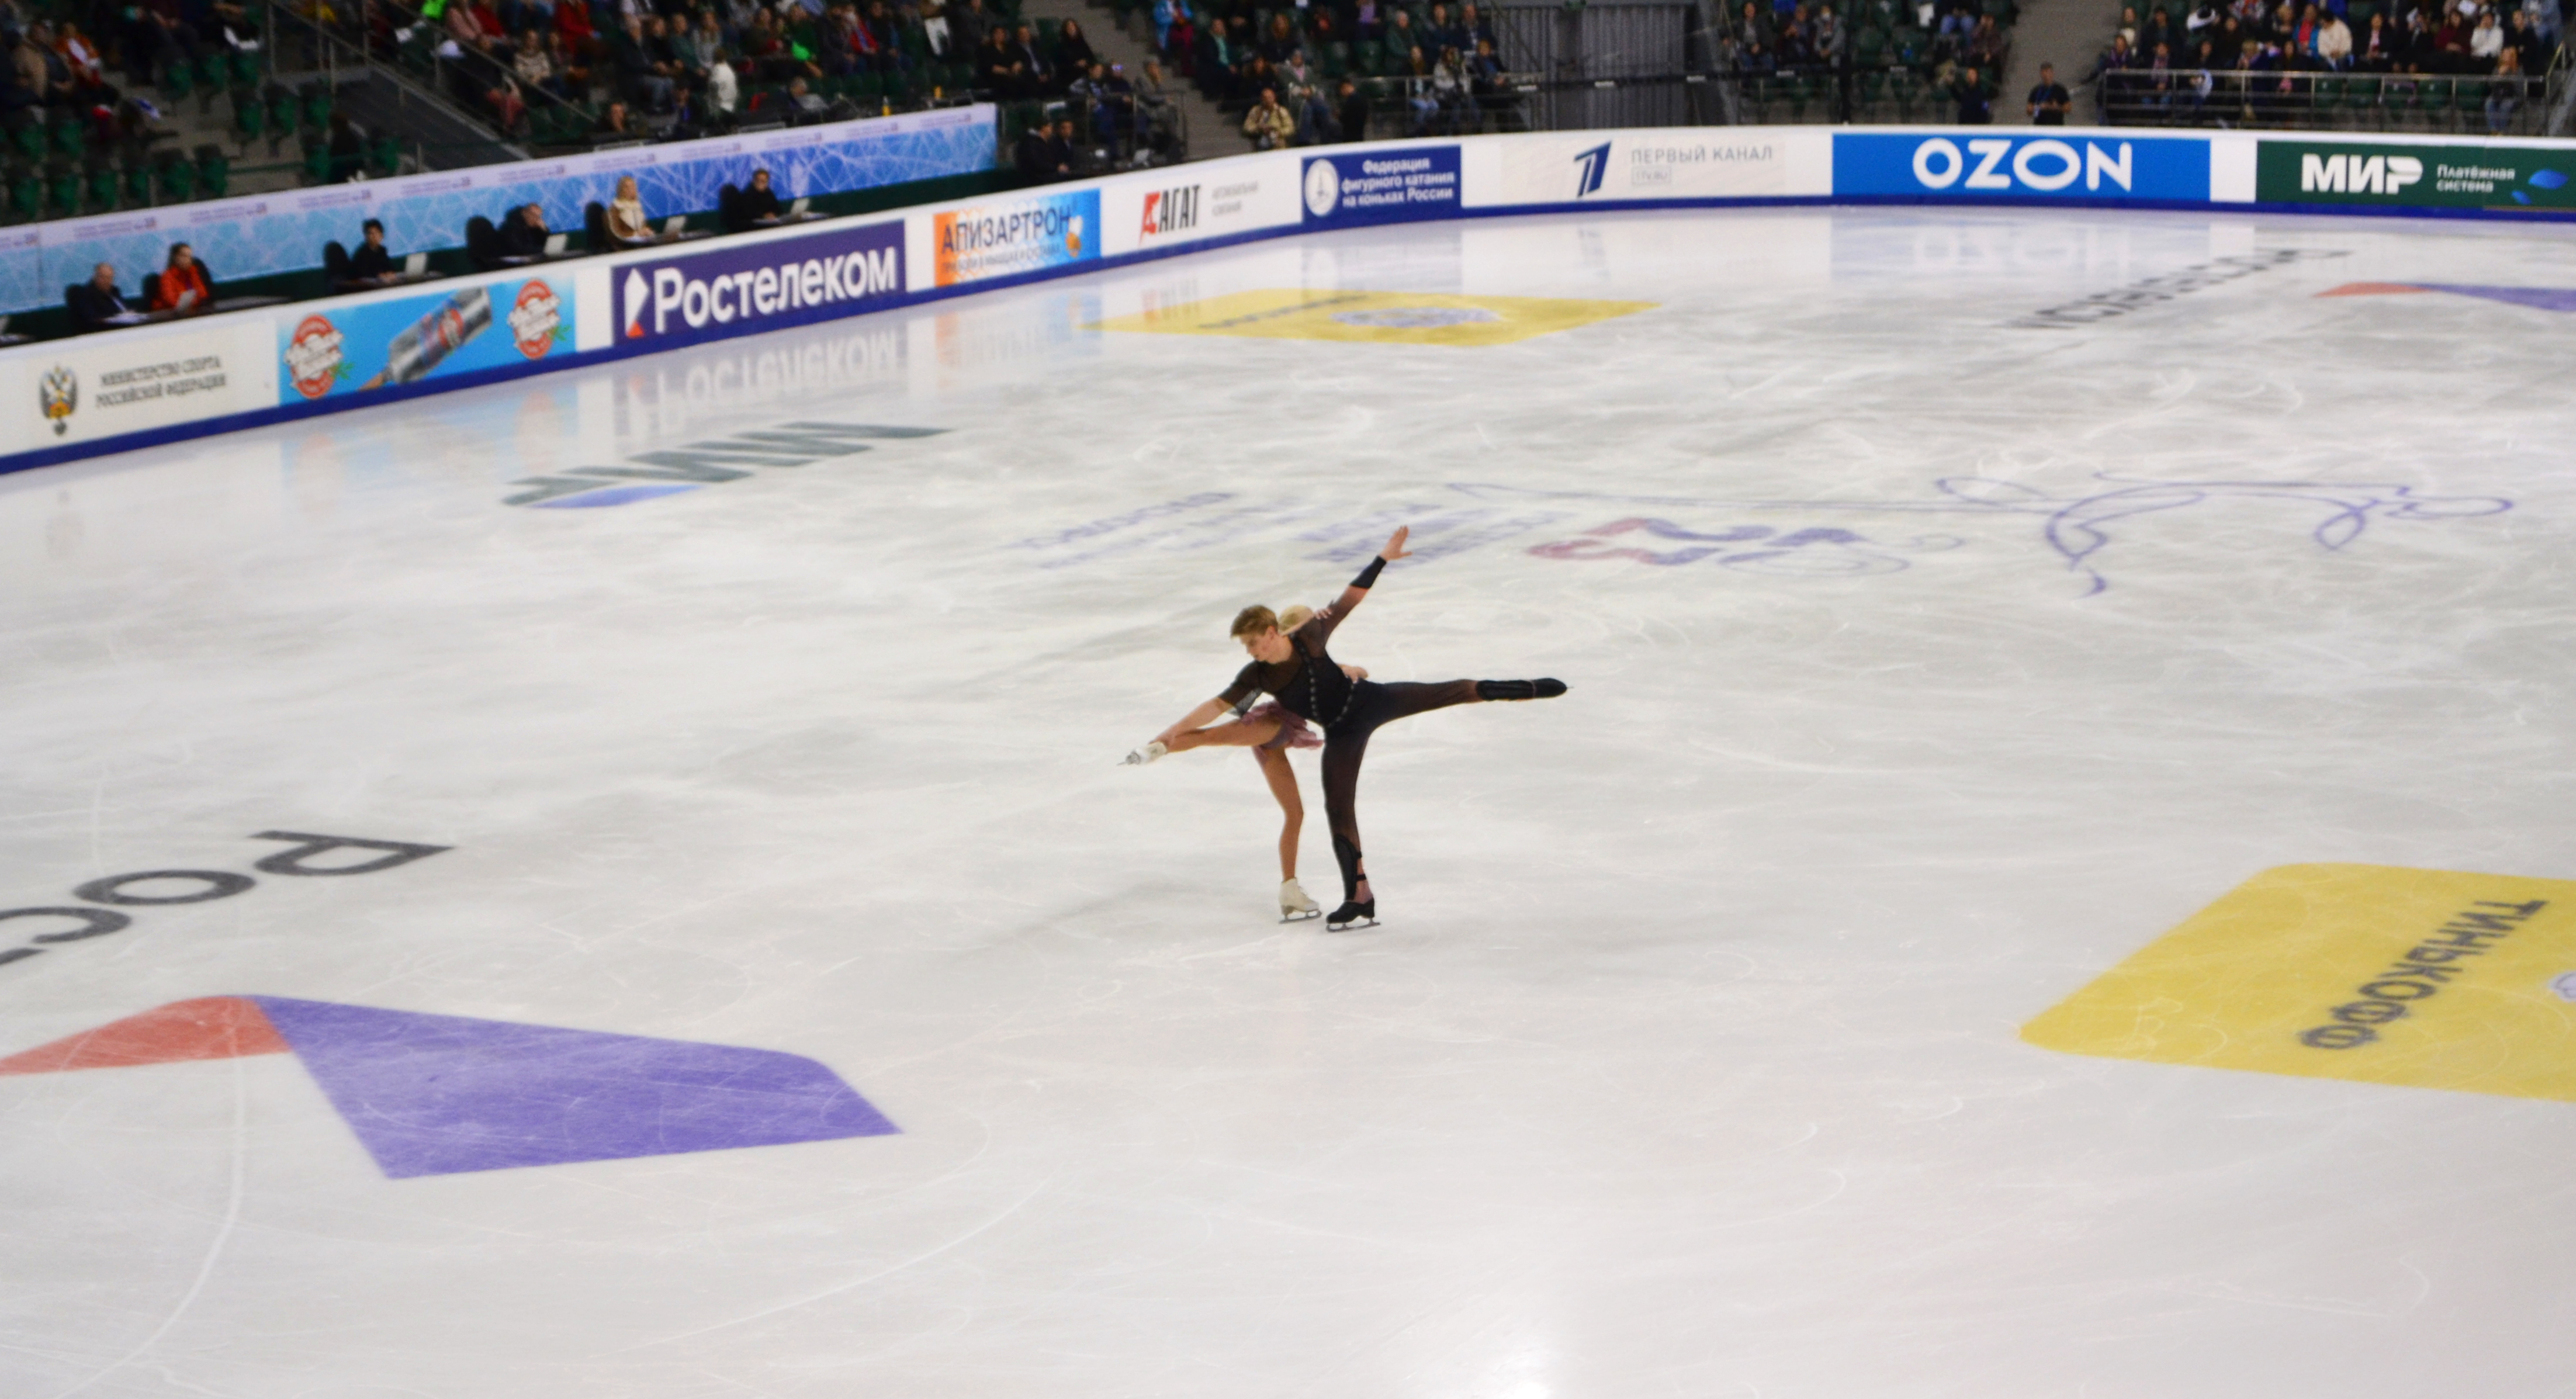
x,y
431,1095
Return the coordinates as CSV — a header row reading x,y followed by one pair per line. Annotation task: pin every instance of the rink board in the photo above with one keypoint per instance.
x,y
146,385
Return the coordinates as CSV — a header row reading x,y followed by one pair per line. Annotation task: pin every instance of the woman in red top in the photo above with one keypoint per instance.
x,y
183,286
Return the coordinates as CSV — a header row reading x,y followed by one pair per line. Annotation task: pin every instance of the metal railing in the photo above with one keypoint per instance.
x,y
2513,105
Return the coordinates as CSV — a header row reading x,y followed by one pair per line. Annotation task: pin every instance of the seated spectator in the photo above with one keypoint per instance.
x,y
41,71
627,227
1270,126
1073,55
572,67
523,233
184,287
580,41
96,304
88,70
998,69
2486,42
1039,78
372,265
724,93
1449,90
758,203
639,77
1416,73
1168,13
615,125
2334,42
1043,154
2505,96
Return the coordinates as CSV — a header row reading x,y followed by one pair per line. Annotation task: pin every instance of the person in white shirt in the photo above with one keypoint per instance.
x,y
2488,41
2334,43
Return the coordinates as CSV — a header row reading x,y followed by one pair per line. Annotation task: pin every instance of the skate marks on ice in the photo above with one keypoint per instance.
x,y
2077,529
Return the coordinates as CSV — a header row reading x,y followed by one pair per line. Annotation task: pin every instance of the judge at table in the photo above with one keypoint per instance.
x,y
96,304
184,288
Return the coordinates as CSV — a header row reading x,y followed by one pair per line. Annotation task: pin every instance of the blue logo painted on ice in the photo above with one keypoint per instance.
x,y
2021,167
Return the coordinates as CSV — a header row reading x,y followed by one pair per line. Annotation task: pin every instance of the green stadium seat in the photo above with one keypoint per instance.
x,y
250,117
283,111
26,194
384,154
214,172
103,186
177,180
178,82
62,189
246,71
214,74
28,138
319,99
70,135
138,182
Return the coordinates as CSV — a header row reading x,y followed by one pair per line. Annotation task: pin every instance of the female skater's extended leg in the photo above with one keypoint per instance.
x,y
1293,903
1246,733
1292,807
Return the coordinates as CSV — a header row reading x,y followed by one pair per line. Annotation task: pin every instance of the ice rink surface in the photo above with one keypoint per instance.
x,y
1954,602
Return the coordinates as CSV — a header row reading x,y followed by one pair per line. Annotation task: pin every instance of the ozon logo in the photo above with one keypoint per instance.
x,y
2046,165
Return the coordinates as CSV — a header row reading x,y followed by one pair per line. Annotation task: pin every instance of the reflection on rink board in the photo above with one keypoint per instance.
x,y
2369,972
1399,318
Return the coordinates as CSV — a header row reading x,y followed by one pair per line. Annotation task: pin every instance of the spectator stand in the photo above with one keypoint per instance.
x,y
2287,72
1876,61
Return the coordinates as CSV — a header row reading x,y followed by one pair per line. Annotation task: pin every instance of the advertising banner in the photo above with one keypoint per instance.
x,y
1682,163
849,269
2069,166
1415,182
98,386
985,241
2386,173
373,345
283,231
1190,204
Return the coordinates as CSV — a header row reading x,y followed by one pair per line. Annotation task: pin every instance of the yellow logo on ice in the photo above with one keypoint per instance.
x,y
2424,978
1385,317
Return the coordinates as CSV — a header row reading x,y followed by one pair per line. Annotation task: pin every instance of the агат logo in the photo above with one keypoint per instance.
x,y
1170,211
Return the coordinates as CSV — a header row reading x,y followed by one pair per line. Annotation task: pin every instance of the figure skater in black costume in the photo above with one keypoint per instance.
x,y
1295,668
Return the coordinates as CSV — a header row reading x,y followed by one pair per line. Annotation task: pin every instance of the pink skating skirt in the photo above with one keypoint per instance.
x,y
1293,731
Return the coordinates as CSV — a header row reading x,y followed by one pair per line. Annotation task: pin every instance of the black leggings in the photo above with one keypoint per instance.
x,y
1346,743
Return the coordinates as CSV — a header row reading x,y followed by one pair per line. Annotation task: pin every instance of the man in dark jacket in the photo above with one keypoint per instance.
x,y
523,234
1352,112
93,302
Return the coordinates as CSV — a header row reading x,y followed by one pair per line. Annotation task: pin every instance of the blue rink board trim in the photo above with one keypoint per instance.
x,y
181,432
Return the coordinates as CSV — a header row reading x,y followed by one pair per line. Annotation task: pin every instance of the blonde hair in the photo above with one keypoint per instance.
x,y
1296,617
